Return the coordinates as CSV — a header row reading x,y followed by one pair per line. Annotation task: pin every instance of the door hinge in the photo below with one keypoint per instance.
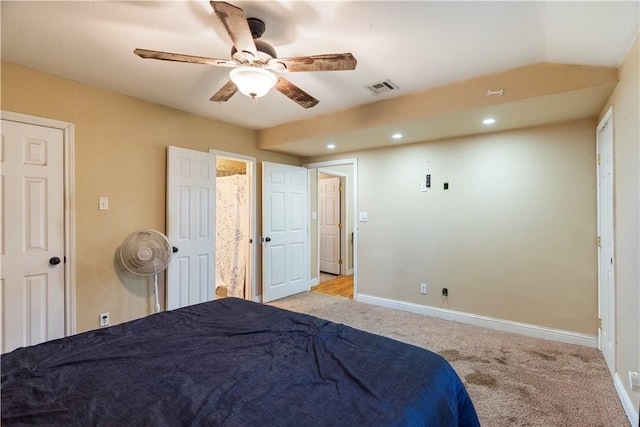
x,y
339,225
599,323
340,188
598,159
599,241
339,262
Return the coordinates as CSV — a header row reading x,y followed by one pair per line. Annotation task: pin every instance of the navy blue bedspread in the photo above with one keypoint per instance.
x,y
235,363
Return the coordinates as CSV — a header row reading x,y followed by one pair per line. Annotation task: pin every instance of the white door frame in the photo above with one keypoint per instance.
x,y
611,310
69,209
251,169
344,252
341,162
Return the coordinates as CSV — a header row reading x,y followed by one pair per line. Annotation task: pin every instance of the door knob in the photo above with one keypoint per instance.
x,y
174,249
267,239
54,260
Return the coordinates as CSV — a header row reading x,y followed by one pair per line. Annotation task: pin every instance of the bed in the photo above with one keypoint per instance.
x,y
231,362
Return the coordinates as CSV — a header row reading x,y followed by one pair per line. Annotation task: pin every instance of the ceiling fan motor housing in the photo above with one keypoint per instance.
x,y
256,26
265,50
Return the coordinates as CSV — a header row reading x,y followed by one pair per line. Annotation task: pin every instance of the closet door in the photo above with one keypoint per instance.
x,y
32,285
191,209
329,227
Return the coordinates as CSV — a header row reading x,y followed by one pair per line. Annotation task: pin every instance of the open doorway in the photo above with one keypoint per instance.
x,y
331,229
324,176
235,225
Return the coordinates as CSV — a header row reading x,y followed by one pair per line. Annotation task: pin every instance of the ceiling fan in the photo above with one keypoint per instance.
x,y
255,62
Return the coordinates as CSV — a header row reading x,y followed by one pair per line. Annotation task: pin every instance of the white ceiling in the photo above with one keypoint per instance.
x,y
416,44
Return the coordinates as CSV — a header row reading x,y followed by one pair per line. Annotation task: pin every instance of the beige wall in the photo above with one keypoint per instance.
x,y
120,153
626,145
512,238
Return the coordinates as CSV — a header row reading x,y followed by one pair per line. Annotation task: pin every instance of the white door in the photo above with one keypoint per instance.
x,y
285,251
191,198
32,240
329,227
606,282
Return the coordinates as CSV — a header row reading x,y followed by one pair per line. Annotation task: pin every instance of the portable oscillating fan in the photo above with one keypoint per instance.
x,y
146,253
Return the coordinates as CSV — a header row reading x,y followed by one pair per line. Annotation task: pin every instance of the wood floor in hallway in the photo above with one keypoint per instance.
x,y
341,286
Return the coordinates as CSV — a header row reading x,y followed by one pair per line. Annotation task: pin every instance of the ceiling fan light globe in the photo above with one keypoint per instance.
x,y
253,82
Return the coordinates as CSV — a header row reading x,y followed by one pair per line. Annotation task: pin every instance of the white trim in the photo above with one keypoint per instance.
x,y
309,227
627,403
230,155
526,329
69,209
70,228
354,162
253,236
314,282
336,162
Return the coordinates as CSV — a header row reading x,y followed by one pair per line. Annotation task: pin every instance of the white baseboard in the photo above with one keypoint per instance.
x,y
627,403
485,321
314,282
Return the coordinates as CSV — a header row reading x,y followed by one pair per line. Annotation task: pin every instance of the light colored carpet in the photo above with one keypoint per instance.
x,y
513,380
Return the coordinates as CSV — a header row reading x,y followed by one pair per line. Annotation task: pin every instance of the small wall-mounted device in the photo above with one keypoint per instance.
x,y
427,181
446,186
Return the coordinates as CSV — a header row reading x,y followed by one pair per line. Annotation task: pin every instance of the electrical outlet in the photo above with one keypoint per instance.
x,y
423,288
445,292
104,319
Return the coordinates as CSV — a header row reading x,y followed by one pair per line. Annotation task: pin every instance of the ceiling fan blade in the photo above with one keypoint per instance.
x,y
328,62
294,93
225,92
177,57
235,22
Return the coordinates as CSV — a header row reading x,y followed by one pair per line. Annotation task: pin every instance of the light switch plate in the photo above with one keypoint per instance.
x,y
103,203
362,217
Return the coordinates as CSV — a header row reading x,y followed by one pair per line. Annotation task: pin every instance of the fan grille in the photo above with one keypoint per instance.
x,y
145,252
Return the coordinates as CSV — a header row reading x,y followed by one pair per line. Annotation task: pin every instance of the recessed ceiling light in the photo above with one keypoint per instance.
x,y
331,146
396,136
489,121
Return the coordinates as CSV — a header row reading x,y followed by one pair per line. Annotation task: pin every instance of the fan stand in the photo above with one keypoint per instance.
x,y
155,284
